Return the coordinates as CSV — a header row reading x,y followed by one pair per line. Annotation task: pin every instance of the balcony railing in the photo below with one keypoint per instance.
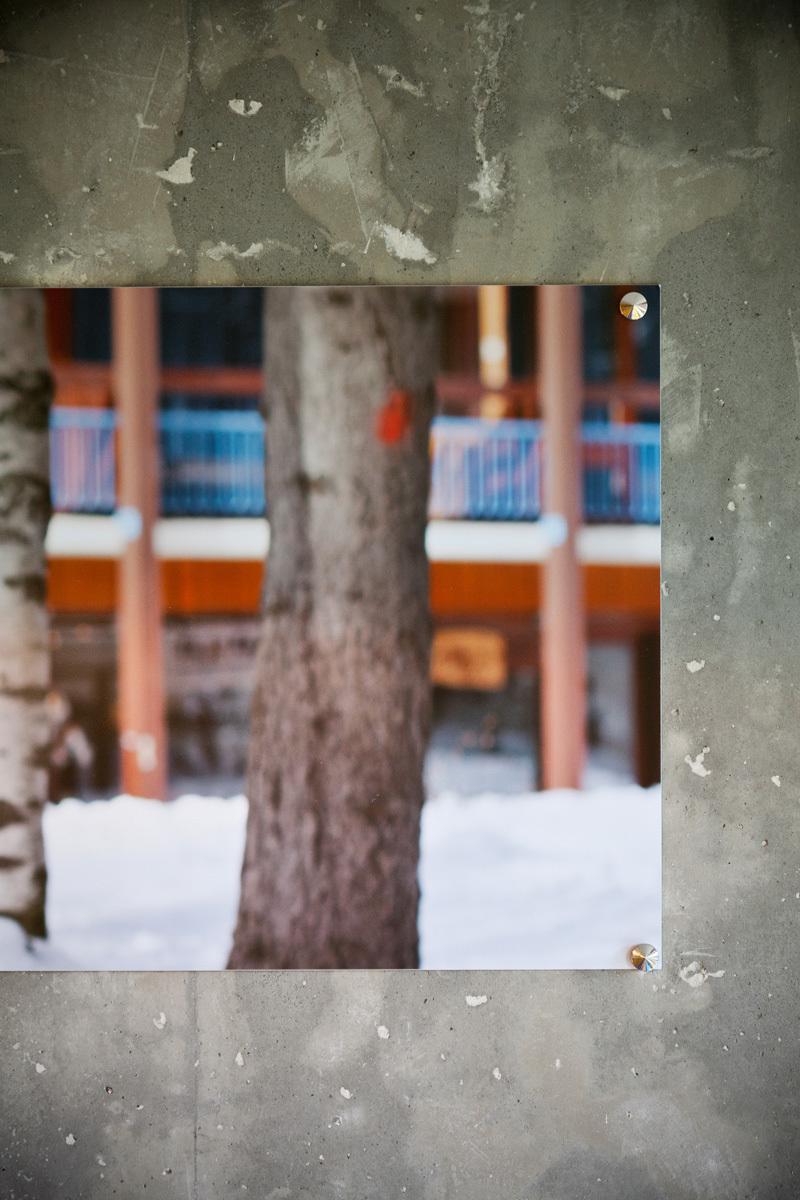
x,y
212,464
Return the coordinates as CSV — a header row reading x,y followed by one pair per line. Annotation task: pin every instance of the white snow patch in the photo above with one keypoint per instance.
x,y
492,349
405,245
18,952
143,745
613,93
696,764
475,1001
514,880
695,665
383,1032
226,250
245,109
181,170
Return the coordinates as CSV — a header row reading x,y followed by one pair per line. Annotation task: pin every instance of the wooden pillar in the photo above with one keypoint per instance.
x,y
563,638
140,683
58,323
493,348
647,707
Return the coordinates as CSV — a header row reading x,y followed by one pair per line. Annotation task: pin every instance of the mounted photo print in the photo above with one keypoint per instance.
x,y
338,644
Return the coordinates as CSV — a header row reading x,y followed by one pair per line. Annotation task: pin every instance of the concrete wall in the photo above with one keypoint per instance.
x,y
523,142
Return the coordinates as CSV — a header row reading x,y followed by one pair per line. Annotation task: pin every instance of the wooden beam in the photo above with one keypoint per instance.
x,y
614,594
563,617
141,709
456,391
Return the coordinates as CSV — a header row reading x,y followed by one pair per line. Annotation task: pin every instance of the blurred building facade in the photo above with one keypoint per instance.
x,y
487,542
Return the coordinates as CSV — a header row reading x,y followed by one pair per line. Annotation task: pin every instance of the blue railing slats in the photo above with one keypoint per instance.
x,y
212,464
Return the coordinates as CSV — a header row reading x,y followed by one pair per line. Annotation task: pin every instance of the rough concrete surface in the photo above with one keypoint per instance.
x,y
439,142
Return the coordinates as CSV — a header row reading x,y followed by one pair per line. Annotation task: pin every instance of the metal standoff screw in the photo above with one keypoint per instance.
x,y
633,305
644,957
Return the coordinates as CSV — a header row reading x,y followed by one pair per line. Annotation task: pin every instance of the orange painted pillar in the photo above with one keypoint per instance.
x,y
493,363
563,637
140,671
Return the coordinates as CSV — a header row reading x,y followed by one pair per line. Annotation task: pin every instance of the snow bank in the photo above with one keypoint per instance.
x,y
536,880
539,881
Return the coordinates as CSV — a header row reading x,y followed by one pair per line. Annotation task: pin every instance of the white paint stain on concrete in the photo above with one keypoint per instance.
x,y
405,245
776,779
476,1001
697,764
394,81
491,30
245,108
751,153
142,124
696,975
6,256
383,1033
181,170
239,1059
497,1073
70,1139
40,1068
613,93
488,185
695,665
666,114
685,382
795,336
226,250
345,1093
160,1021
731,506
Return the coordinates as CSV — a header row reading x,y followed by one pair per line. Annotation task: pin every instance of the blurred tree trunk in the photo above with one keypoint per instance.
x,y
341,709
25,393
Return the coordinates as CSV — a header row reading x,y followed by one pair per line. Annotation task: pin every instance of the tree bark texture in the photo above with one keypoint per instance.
x,y
25,394
341,710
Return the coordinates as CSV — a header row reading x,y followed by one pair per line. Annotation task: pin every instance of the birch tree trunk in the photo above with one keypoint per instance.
x,y
341,710
25,392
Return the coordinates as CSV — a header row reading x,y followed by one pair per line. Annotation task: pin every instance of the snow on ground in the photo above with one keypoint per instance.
x,y
532,880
